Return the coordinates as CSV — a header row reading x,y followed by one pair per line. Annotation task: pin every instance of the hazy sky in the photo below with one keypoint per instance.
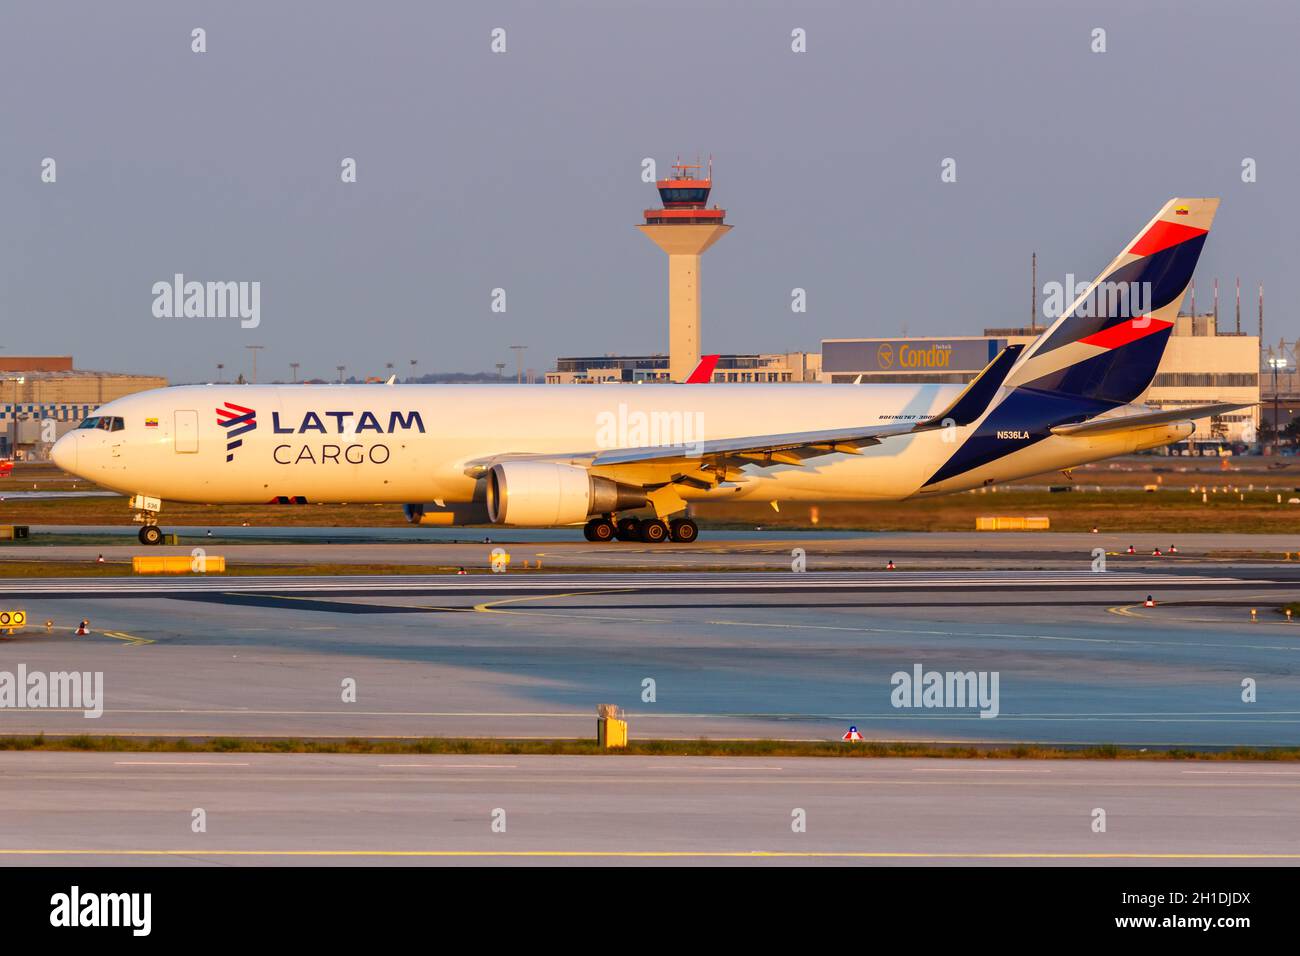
x,y
522,170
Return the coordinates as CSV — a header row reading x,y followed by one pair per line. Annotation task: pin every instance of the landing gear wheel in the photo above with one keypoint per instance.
x,y
684,530
599,529
654,531
151,534
628,529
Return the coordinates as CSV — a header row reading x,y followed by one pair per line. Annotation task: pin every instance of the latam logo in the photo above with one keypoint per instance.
x,y
237,420
348,423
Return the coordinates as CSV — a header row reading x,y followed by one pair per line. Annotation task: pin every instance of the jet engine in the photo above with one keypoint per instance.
x,y
543,493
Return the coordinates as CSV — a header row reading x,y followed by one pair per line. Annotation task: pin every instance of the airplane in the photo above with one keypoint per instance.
x,y
626,461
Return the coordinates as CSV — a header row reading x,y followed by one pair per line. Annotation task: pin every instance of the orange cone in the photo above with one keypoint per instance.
x,y
890,566
1149,602
83,628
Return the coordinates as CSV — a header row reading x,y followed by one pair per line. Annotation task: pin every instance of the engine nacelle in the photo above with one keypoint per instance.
x,y
543,493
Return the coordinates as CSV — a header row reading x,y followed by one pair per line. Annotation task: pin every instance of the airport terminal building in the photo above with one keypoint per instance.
x,y
751,367
1201,364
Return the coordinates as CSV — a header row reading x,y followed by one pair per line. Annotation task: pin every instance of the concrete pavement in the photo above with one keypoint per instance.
x,y
261,809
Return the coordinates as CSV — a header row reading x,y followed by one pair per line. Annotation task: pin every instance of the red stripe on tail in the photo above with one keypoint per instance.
x,y
1124,333
1163,235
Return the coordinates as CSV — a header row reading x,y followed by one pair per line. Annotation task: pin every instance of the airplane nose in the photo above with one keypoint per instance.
x,y
64,453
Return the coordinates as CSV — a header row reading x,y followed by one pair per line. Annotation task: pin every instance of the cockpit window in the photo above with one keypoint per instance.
x,y
108,423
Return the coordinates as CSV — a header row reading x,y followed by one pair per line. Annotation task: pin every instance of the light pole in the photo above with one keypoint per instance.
x,y
294,367
1276,363
254,349
519,363
220,366
414,362
13,442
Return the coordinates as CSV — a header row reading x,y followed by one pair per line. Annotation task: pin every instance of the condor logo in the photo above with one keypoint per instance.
x,y
236,420
1014,435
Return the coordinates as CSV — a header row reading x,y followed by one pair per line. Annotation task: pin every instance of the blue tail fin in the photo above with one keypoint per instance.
x,y
1109,342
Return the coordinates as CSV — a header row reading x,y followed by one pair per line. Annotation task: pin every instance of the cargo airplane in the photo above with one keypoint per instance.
x,y
626,462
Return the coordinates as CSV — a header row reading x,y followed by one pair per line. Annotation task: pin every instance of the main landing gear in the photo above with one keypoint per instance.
x,y
648,530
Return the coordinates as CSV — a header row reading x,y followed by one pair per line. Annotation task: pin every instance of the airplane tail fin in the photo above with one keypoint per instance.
x,y
1106,345
704,371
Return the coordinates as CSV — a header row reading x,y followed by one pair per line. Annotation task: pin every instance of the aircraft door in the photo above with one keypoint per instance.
x,y
187,432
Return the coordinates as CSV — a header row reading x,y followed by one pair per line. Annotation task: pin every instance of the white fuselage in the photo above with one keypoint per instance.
x,y
412,443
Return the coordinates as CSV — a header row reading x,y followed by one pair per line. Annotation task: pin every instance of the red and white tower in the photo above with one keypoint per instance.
x,y
684,228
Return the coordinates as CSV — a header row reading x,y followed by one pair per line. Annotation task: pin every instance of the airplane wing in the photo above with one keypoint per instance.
x,y
1137,416
788,449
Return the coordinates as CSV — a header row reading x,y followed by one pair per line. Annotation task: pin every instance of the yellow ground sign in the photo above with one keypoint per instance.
x,y
179,564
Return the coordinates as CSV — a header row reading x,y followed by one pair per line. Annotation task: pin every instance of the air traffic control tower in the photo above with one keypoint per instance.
x,y
684,228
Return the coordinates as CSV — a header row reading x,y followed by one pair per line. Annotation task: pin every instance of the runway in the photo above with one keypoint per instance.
x,y
716,551
139,809
1079,659
506,584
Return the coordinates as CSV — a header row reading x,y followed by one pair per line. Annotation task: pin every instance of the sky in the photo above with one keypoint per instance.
x,y
522,170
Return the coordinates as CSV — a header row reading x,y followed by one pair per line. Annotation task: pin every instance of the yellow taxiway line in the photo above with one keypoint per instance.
x,y
494,607
1131,610
130,639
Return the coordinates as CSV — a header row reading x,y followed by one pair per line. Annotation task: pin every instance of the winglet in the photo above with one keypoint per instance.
x,y
704,371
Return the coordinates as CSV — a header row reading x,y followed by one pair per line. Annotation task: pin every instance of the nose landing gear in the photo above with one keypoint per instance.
x,y
146,515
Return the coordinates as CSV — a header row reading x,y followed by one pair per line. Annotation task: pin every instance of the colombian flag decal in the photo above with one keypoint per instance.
x,y
151,423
